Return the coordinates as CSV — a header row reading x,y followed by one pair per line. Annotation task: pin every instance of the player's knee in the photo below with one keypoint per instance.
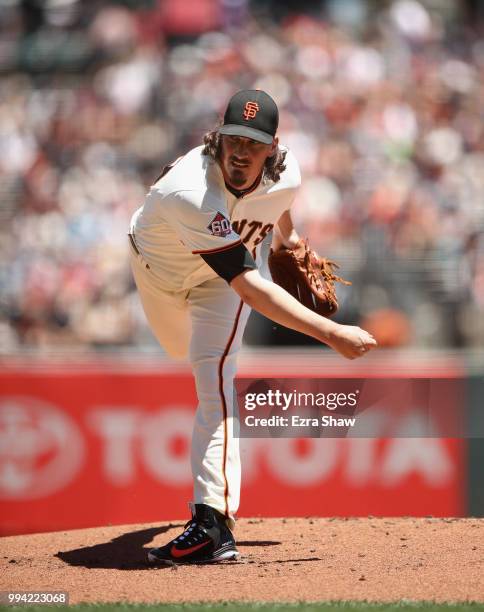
x,y
177,352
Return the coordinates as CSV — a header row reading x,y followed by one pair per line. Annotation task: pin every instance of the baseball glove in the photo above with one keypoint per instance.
x,y
307,277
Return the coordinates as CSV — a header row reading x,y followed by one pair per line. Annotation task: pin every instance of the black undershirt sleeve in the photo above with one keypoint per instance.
x,y
230,263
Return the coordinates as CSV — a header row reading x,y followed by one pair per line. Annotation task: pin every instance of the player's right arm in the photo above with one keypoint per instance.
x,y
276,304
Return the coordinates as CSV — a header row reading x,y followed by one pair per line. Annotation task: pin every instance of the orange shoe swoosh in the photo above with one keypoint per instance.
x,y
177,553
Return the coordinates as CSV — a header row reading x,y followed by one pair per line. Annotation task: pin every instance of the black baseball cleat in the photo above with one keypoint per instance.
x,y
206,539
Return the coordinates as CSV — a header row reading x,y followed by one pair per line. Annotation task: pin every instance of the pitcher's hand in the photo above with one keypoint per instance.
x,y
351,341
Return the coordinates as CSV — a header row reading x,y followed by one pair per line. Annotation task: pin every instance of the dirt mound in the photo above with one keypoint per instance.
x,y
283,560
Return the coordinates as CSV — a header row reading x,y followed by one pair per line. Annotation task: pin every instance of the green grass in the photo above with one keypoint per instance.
x,y
337,606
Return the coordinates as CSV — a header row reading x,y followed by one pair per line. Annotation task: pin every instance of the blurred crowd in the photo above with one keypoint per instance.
x,y
381,102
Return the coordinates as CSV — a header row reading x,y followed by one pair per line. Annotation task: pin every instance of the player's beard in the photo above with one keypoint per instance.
x,y
237,178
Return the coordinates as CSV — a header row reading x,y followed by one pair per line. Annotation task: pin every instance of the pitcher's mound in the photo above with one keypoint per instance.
x,y
293,559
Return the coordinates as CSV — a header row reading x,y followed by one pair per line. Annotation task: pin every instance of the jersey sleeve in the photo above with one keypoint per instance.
x,y
231,262
201,222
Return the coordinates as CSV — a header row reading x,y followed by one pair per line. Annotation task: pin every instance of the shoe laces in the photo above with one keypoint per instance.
x,y
192,533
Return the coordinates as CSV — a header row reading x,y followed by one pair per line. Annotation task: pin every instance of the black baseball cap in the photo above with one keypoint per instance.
x,y
251,113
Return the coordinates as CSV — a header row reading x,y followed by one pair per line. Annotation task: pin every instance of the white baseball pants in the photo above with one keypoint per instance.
x,y
206,324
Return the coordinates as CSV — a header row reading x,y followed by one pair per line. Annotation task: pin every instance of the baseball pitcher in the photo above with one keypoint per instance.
x,y
195,251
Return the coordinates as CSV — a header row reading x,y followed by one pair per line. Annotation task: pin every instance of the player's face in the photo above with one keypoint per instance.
x,y
242,159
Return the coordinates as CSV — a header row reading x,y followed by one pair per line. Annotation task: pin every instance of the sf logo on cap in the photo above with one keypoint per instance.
x,y
250,110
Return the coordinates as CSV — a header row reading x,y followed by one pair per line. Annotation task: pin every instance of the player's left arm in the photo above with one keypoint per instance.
x,y
284,234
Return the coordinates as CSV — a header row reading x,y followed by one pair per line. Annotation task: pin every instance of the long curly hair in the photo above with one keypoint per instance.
x,y
272,169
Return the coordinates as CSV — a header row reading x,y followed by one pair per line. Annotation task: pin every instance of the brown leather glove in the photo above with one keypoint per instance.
x,y
306,276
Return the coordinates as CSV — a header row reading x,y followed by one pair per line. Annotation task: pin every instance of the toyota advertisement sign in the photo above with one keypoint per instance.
x,y
83,448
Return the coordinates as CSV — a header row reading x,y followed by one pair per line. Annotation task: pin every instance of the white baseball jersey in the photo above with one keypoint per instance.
x,y
190,211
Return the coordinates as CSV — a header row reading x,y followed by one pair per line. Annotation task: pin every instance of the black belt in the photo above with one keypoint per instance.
x,y
136,250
